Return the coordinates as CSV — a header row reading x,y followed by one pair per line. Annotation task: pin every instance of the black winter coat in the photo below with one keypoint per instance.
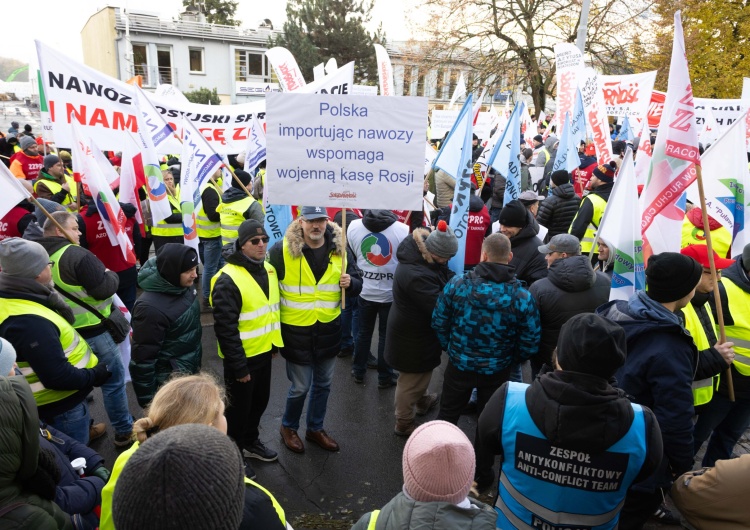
x,y
529,263
557,211
322,340
570,288
411,344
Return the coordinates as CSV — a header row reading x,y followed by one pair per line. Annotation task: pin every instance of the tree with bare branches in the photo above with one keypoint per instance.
x,y
509,43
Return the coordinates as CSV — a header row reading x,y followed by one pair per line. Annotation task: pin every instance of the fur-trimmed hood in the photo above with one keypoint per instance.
x,y
296,240
417,251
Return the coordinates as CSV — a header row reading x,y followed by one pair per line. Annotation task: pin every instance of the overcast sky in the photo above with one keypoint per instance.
x,y
59,24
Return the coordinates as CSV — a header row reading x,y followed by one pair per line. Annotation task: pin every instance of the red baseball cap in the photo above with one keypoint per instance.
x,y
700,254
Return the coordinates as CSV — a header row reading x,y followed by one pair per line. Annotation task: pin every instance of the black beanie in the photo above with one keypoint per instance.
x,y
606,172
188,476
244,177
560,177
593,345
249,229
173,259
671,275
514,214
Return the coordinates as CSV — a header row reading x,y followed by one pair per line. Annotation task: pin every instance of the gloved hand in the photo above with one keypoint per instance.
x,y
101,374
101,472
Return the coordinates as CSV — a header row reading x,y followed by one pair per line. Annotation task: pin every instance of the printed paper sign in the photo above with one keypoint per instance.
x,y
346,151
443,120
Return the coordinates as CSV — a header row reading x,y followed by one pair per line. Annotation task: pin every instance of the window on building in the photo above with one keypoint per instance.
x,y
164,58
407,81
440,84
251,66
452,82
421,89
140,61
196,60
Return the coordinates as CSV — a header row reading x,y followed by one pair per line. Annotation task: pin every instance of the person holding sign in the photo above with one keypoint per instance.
x,y
310,266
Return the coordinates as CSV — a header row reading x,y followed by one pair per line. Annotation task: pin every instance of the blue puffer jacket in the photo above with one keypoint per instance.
x,y
658,373
486,320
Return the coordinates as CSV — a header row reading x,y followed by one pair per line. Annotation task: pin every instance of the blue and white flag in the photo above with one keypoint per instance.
x,y
505,155
450,158
626,131
578,119
255,150
567,152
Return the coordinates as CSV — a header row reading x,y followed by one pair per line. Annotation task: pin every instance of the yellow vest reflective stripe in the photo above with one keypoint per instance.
x,y
373,519
703,389
206,227
164,229
721,239
76,350
232,215
276,505
84,317
599,205
260,318
53,187
303,302
739,333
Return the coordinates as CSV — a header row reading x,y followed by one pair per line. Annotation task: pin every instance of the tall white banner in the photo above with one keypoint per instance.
x,y
346,151
596,113
286,68
569,67
385,71
628,95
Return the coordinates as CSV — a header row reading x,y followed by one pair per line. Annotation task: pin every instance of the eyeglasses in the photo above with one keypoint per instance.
x,y
51,263
258,240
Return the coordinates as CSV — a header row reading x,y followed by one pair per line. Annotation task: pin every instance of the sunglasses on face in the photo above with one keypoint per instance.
x,y
258,240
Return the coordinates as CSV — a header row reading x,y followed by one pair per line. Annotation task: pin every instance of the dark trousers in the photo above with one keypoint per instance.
x,y
248,402
368,313
145,250
638,508
128,285
457,387
727,420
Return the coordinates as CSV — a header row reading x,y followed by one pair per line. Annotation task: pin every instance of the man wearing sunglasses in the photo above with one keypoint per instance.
x,y
247,322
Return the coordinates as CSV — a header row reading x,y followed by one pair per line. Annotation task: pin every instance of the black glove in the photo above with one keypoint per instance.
x,y
101,374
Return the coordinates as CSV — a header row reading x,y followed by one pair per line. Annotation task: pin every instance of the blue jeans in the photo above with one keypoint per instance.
x,y
727,420
368,312
349,322
75,422
212,262
315,378
113,391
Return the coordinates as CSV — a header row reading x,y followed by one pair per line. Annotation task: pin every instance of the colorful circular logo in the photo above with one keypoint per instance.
x,y
376,249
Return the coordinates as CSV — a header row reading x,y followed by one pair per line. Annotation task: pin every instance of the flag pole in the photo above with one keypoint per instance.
x,y
717,297
54,221
343,254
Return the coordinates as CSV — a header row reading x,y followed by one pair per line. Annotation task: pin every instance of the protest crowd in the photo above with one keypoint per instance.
x,y
596,385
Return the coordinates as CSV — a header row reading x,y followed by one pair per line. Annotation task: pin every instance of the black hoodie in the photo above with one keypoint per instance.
x,y
378,220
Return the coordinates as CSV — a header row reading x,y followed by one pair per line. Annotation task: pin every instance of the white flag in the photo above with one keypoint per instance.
x,y
286,68
710,132
13,191
460,90
385,71
255,150
643,160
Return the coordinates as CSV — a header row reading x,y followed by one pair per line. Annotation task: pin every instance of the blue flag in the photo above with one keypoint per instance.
x,y
278,218
567,152
450,158
578,120
626,131
505,155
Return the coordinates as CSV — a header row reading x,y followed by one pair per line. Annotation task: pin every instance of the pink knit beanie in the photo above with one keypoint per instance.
x,y
438,463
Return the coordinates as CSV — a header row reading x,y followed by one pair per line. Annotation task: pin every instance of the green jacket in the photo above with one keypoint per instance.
x,y
166,332
401,513
19,454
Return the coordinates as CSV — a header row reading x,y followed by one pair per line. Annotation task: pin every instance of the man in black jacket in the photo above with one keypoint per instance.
x,y
519,225
557,211
571,287
245,298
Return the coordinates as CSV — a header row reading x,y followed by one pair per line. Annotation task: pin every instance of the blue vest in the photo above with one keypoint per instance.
x,y
547,487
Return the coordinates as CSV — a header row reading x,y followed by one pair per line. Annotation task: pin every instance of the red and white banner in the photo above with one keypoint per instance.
x,y
286,68
569,67
656,108
628,95
385,71
675,157
596,113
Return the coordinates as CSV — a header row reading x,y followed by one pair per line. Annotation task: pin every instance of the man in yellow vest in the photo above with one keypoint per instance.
x,y
729,420
170,230
236,206
586,222
699,321
51,183
209,232
247,323
693,233
309,263
55,360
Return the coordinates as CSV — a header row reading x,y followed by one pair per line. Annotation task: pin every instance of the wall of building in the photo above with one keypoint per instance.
x,y
98,38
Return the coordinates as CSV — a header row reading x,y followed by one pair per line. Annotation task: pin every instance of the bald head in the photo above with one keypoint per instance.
x,y
496,249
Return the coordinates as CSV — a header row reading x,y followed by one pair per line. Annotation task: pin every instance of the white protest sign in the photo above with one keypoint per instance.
x,y
364,90
569,66
537,178
443,120
628,95
725,111
346,151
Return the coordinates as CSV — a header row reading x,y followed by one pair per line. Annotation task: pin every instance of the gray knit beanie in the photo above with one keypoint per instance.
x,y
442,242
188,476
7,357
26,142
22,258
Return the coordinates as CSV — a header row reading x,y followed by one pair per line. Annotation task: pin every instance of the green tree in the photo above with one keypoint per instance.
x,y
203,95
318,30
216,11
717,44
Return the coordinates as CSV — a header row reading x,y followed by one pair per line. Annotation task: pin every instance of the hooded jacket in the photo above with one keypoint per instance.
x,y
403,513
19,454
558,210
487,298
226,300
570,288
658,373
586,210
530,265
574,411
166,329
479,227
322,340
254,211
411,345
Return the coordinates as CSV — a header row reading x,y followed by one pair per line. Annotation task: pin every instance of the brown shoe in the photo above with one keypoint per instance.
x,y
404,427
322,439
97,431
292,440
426,403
